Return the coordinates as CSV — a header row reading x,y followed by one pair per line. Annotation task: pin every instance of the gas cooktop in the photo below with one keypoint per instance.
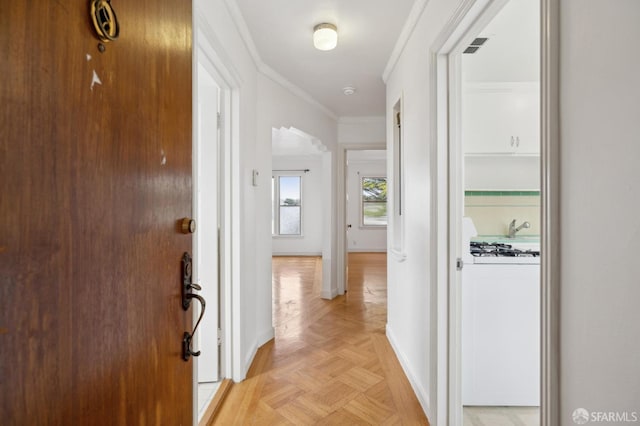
x,y
483,249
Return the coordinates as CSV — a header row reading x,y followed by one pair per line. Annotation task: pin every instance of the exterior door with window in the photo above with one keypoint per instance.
x,y
367,201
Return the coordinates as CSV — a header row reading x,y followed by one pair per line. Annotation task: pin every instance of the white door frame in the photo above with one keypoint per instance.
x,y
207,193
206,44
471,16
342,250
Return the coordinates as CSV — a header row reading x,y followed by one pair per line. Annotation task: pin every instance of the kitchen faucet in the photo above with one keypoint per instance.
x,y
513,229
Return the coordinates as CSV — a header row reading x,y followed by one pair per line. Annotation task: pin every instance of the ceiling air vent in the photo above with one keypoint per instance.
x,y
475,45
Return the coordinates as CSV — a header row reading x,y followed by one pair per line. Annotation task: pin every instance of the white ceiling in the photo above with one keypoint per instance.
x,y
512,51
282,32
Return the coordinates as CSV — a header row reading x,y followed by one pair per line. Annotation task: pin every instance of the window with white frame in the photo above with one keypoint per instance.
x,y
374,201
287,205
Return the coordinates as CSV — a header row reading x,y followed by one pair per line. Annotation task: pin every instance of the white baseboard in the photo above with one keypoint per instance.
x,y
266,335
248,361
420,392
263,338
365,250
329,295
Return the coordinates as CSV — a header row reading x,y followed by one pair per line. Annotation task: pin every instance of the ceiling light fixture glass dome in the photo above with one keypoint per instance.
x,y
325,36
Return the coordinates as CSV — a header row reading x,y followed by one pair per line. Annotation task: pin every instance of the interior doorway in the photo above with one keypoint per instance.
x,y
206,242
301,199
214,129
366,201
456,166
343,220
497,124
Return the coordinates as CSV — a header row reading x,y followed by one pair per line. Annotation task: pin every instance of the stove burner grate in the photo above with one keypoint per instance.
x,y
484,249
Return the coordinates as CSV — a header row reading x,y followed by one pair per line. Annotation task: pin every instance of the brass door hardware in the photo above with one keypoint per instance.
x,y
187,296
104,20
188,226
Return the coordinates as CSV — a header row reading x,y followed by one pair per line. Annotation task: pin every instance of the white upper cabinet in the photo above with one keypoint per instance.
x,y
501,118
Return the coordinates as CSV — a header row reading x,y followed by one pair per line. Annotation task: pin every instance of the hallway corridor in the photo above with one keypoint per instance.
x,y
330,362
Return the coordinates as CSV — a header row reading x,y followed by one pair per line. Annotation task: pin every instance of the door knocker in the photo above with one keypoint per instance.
x,y
104,20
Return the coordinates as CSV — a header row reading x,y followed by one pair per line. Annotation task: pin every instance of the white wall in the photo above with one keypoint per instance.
x,y
230,49
600,151
359,238
260,104
310,242
361,130
277,108
410,325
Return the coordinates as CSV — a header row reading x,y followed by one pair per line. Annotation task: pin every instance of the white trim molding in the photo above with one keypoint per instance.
x,y
329,294
205,38
243,30
550,194
264,69
341,221
421,393
409,25
269,72
459,30
229,80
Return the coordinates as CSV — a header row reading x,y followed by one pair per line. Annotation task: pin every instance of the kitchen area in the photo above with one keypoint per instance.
x,y
500,302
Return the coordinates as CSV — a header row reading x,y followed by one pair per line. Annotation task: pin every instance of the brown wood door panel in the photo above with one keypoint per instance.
x,y
93,181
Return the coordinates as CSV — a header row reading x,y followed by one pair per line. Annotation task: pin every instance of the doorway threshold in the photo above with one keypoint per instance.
x,y
210,398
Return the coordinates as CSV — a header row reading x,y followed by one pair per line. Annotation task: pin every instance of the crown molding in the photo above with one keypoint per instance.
x,y
243,29
265,69
269,72
214,50
409,26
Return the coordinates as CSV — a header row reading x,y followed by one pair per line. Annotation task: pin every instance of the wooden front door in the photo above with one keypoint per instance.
x,y
95,172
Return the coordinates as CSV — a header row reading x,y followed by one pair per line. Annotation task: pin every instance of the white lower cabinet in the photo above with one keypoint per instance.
x,y
501,335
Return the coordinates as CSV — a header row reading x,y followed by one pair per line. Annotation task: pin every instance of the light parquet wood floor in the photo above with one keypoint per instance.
x,y
330,362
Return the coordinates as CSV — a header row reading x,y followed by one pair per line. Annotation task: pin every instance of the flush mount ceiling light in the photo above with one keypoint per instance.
x,y
325,36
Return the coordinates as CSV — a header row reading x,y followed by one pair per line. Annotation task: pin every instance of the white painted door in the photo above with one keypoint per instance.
x,y
206,209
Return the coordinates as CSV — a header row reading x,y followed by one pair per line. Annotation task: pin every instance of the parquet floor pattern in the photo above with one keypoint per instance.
x,y
330,363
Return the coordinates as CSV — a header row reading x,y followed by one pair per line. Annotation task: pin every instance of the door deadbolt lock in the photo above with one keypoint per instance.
x,y
188,226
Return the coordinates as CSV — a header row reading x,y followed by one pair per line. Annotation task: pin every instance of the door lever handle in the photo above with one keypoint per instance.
x,y
187,352
187,296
